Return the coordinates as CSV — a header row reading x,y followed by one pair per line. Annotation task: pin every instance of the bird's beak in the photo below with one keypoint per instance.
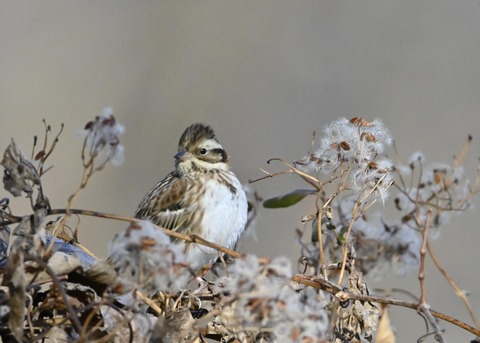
x,y
183,155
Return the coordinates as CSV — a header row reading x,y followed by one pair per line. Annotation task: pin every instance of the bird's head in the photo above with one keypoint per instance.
x,y
198,148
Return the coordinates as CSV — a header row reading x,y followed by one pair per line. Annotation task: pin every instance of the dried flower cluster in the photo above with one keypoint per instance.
x,y
439,189
356,145
148,261
101,140
351,157
259,303
349,173
54,290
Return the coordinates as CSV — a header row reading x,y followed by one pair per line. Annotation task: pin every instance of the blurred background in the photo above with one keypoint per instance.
x,y
264,74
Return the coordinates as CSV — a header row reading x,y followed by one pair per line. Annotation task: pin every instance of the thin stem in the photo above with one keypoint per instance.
x,y
423,251
308,178
200,240
149,302
461,155
175,234
345,245
269,175
424,307
320,241
352,221
452,283
332,288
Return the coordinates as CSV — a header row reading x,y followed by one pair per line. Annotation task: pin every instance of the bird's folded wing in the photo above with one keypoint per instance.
x,y
163,205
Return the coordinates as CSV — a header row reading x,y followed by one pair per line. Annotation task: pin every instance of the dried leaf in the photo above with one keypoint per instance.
x,y
385,332
178,327
20,174
356,318
57,335
68,258
14,279
102,273
62,263
4,241
86,260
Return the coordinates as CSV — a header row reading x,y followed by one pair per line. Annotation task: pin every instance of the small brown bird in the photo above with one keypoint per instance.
x,y
201,196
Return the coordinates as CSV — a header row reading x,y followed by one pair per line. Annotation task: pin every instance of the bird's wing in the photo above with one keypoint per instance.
x,y
163,205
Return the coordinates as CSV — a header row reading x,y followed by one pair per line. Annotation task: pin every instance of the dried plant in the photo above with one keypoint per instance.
x,y
54,289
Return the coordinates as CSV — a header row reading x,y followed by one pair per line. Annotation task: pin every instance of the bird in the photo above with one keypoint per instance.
x,y
201,196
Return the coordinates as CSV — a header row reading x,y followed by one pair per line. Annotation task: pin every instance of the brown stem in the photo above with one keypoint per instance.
x,y
424,307
178,235
423,251
452,283
328,286
320,240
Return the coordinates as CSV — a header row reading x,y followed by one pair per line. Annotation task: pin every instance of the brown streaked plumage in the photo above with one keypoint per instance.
x,y
200,196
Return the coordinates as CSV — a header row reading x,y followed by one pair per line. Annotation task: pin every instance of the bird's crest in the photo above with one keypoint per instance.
x,y
195,133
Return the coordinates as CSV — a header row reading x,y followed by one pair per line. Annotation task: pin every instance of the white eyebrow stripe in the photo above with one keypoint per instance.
x,y
211,144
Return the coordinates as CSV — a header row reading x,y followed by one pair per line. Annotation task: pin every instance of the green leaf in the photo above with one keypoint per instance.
x,y
288,199
327,225
314,231
341,236
330,226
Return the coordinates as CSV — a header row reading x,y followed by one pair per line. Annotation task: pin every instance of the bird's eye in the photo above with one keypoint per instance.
x,y
203,151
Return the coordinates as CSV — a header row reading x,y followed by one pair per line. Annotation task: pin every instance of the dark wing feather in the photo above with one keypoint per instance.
x,y
163,205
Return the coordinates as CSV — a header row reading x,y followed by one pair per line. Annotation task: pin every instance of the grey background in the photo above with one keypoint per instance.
x,y
264,74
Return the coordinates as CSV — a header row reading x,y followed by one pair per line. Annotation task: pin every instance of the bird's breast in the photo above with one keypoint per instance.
x,y
221,213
